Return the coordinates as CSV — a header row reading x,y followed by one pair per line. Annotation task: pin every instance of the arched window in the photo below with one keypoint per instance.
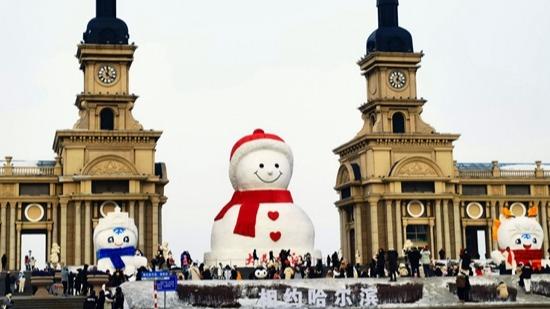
x,y
107,119
398,123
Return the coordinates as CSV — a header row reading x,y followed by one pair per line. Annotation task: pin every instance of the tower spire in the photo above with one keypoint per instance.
x,y
389,37
106,28
105,8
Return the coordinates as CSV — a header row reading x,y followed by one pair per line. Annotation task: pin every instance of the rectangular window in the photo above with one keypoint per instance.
x,y
417,187
518,190
417,233
110,186
34,189
349,214
345,193
474,189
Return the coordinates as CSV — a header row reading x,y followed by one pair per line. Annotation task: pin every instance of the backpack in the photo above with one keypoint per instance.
x,y
460,282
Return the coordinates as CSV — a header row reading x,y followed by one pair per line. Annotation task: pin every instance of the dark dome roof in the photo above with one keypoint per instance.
x,y
389,37
106,28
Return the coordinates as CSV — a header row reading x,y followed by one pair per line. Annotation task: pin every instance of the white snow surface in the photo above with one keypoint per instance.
x,y
139,294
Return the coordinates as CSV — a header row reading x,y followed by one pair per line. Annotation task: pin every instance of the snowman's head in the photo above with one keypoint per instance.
x,y
116,230
520,233
260,161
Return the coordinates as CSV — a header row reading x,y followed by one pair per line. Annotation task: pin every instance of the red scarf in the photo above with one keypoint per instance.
x,y
250,203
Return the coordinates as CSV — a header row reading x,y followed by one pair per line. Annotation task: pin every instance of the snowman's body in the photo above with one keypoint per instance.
x,y
131,264
260,168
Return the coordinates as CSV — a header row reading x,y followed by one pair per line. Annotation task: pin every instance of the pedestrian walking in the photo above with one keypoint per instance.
x,y
426,261
463,285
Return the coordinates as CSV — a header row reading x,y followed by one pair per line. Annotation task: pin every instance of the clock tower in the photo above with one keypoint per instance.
x,y
394,155
107,159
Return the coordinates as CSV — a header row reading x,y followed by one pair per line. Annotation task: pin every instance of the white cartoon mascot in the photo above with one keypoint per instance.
x,y
115,240
523,235
261,214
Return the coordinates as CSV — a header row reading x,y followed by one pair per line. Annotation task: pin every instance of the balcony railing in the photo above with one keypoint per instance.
x,y
503,174
27,171
475,173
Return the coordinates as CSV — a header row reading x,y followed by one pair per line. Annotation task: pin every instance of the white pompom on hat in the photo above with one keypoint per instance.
x,y
114,219
256,141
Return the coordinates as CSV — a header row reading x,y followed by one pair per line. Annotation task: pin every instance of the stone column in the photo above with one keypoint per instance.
x,y
13,238
389,224
447,227
544,216
18,252
48,243
55,222
432,240
131,209
63,232
155,225
87,232
3,231
358,228
457,231
77,234
373,206
438,227
399,227
141,226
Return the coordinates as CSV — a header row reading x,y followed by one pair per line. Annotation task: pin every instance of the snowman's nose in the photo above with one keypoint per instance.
x,y
270,173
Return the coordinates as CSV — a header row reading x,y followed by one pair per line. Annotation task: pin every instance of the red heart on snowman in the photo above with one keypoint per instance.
x,y
275,236
273,215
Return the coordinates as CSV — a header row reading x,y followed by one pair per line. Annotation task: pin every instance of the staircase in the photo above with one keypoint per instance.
x,y
73,302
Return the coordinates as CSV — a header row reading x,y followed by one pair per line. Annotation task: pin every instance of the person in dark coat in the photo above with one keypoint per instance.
x,y
465,260
414,259
78,281
335,260
118,299
70,288
381,263
392,264
442,254
90,302
100,300
4,262
255,257
328,261
372,268
463,285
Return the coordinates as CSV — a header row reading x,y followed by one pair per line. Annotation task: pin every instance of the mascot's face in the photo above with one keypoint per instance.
x,y
262,169
521,233
117,237
260,273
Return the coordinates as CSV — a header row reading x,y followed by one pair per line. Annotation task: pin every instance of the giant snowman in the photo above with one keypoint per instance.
x,y
261,215
115,240
523,235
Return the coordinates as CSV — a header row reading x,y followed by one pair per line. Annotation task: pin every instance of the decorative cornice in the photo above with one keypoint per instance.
x,y
390,139
394,102
104,137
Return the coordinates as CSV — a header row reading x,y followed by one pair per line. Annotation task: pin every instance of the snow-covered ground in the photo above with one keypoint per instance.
x,y
139,295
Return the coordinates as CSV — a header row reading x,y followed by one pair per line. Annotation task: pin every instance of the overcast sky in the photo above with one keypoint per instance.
x,y
209,72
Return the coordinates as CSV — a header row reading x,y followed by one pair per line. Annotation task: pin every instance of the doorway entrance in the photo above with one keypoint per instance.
x,y
33,244
476,241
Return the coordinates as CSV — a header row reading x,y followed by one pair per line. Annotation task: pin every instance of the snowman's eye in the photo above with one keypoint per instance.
x,y
534,240
518,241
261,165
126,239
111,239
276,165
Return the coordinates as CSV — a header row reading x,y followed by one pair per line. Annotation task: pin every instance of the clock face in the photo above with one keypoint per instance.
x,y
397,79
107,74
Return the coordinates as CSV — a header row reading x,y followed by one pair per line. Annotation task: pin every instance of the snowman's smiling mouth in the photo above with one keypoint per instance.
x,y
268,181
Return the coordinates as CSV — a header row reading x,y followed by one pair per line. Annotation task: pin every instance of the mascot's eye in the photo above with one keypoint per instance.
x,y
518,241
276,165
111,239
126,239
261,165
534,240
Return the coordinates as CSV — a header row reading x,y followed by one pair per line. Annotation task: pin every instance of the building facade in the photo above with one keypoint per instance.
x,y
398,180
106,160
